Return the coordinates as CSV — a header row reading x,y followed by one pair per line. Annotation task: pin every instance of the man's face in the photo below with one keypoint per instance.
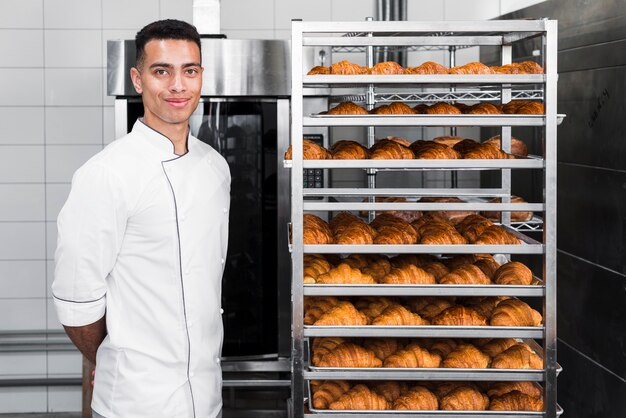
x,y
169,82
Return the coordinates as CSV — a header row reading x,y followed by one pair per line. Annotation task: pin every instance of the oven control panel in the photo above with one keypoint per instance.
x,y
314,177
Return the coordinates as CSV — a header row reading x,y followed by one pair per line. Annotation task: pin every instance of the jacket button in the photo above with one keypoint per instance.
x,y
217,360
221,310
222,261
225,210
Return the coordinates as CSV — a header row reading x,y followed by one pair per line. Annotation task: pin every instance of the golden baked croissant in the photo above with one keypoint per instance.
x,y
515,401
428,220
357,261
496,235
406,215
387,149
418,260
518,147
316,231
387,67
344,274
315,307
408,275
358,234
488,266
459,315
466,356
382,347
485,152
465,145
438,234
395,108
518,356
513,68
360,397
482,109
413,356
441,389
460,260
345,67
378,268
310,151
437,269
443,346
373,306
471,68
396,314
344,313
349,355
319,69
511,107
448,140
442,108
390,389
322,346
434,308
516,216
530,67
314,265
343,221
497,345
417,398
454,216
348,150
347,108
472,226
467,274
428,67
513,272
486,305
531,108
393,230
329,392
529,388
515,313
420,109
464,398
433,150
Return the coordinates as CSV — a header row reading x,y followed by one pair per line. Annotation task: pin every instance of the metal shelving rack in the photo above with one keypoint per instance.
x,y
363,36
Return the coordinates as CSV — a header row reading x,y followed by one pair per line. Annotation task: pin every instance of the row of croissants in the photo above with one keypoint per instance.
x,y
396,148
514,107
413,269
389,229
502,311
506,353
449,396
429,67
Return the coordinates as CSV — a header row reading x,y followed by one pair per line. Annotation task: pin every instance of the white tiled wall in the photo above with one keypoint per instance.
x,y
54,115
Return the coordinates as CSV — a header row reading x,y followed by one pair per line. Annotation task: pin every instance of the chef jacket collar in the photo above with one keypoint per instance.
x,y
161,143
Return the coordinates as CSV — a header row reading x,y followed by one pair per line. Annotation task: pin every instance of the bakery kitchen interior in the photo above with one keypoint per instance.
x,y
427,209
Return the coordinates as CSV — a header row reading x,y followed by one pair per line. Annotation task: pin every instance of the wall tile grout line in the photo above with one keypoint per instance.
x,y
584,260
613,170
45,192
592,360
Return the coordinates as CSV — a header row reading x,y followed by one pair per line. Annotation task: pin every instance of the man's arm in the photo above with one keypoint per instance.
x,y
88,338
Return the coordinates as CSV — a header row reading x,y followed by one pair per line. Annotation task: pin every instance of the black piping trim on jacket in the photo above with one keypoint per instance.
x,y
182,284
79,301
166,137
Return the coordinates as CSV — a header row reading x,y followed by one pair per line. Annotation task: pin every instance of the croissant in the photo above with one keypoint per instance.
x,y
395,108
393,230
442,109
348,150
435,235
443,347
497,345
531,108
488,266
347,108
310,151
434,308
420,109
433,150
518,147
329,392
344,274
513,68
466,356
316,231
408,275
516,216
460,260
357,261
471,68
396,314
319,69
343,221
388,67
357,235
513,272
482,109
441,389
448,141
315,307
464,398
465,145
390,389
459,315
418,260
387,149
378,268
515,401
405,215
454,216
418,398
530,67
402,141
373,306
382,347
347,68
360,397
430,220
348,355
412,356
344,313
515,313
485,306
511,107
322,346
518,356
472,226
485,152
428,67
501,388
437,269
496,235
467,274
314,265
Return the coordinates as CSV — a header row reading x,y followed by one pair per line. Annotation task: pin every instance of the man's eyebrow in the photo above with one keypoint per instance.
x,y
192,64
161,64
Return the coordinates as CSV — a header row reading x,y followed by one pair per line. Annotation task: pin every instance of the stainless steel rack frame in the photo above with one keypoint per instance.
x,y
363,37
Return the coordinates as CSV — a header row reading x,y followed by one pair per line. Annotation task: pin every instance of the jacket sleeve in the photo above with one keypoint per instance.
x,y
91,227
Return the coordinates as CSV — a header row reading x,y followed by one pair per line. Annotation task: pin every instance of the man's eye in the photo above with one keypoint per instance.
x,y
160,72
192,71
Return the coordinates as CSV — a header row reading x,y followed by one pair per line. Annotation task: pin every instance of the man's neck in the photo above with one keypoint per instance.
x,y
176,133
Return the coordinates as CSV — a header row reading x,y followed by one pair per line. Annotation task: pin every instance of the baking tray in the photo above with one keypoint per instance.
x,y
428,120
440,331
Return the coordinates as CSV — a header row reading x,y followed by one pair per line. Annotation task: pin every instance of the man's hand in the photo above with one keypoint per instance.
x,y
88,338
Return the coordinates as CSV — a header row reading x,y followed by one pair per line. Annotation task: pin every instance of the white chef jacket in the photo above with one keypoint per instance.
x,y
143,236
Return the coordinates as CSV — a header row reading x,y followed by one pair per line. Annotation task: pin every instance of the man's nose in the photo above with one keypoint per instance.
x,y
177,82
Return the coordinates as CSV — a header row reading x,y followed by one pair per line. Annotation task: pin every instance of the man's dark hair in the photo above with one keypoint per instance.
x,y
164,29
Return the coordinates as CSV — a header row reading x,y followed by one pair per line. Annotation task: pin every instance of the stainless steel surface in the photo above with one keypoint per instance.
x,y
423,164
423,249
206,16
404,192
519,375
276,365
391,10
431,79
431,414
232,67
425,120
255,383
425,331
383,206
422,290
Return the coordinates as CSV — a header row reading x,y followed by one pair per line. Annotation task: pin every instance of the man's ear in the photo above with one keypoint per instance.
x,y
135,77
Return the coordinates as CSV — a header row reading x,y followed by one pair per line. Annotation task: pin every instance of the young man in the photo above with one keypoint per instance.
x,y
142,243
